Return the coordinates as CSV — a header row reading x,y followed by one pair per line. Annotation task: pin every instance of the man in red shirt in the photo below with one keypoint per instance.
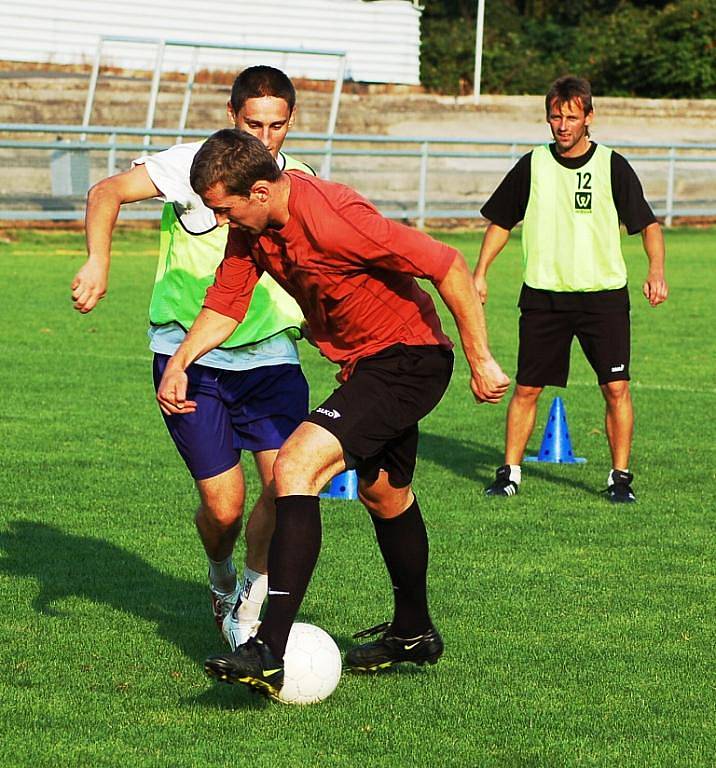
x,y
352,272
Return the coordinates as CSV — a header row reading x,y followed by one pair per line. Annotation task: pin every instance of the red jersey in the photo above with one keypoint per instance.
x,y
351,270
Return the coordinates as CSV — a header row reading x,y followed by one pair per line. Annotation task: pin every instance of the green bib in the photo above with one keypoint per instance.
x,y
570,233
187,263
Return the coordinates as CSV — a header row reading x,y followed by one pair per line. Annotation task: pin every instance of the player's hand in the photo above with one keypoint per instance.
x,y
171,393
655,289
489,382
481,287
89,286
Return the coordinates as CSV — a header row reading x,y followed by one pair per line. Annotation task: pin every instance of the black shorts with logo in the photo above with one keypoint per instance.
x,y
375,413
546,339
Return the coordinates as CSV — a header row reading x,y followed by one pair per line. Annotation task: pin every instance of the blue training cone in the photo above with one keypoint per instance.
x,y
343,486
556,446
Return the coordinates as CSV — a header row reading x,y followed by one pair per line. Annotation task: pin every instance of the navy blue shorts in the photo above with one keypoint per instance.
x,y
254,410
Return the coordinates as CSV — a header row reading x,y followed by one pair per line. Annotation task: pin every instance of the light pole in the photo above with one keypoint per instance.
x,y
479,27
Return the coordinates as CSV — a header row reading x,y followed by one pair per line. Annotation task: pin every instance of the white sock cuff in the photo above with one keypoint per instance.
x,y
254,586
515,473
610,479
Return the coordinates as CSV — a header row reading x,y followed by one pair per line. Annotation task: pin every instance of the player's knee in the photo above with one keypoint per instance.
x,y
293,475
385,501
284,469
616,391
527,394
221,513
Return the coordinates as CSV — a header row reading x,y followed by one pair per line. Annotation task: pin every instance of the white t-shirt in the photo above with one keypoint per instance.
x,y
169,171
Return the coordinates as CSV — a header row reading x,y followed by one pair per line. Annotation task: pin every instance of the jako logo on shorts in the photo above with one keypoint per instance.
x,y
331,414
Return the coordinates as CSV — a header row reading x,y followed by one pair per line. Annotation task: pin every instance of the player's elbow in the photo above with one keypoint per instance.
x,y
651,230
458,269
104,192
652,236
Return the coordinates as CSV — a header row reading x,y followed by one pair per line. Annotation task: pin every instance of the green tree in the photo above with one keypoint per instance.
x,y
680,58
638,47
615,50
447,56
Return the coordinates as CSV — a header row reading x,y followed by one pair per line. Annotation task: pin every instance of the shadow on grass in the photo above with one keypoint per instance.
x,y
67,565
477,462
465,458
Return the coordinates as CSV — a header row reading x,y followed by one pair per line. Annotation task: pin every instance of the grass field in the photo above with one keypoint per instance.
x,y
577,634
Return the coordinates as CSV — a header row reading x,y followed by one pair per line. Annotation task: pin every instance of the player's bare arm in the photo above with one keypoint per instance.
x,y
494,241
104,200
208,331
457,289
655,287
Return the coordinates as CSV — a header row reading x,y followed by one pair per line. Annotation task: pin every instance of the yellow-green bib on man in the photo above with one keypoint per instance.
x,y
570,233
186,267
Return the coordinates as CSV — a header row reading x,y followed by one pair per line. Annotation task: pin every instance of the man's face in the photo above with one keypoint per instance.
x,y
569,126
249,214
268,118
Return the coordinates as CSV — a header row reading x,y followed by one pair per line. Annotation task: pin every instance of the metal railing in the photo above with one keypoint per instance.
x,y
412,178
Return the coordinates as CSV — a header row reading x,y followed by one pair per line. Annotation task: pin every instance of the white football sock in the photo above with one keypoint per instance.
x,y
515,473
254,589
222,575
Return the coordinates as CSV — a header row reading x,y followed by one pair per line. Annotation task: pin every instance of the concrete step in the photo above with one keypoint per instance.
x,y
58,97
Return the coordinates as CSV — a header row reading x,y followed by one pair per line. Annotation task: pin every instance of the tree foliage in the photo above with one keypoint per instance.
x,y
625,47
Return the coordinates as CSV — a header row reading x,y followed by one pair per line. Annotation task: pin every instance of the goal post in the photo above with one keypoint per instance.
x,y
195,47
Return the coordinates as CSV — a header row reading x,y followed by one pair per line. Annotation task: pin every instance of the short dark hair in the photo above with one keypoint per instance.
x,y
236,159
569,88
257,82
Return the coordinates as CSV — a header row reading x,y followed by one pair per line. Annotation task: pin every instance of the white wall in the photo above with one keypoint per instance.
x,y
382,39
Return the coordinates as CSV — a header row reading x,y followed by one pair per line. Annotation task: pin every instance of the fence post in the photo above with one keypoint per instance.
x,y
89,101
670,187
423,184
191,76
112,154
154,91
327,159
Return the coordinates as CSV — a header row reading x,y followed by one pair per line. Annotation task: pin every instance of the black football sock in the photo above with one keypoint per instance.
x,y
293,553
403,541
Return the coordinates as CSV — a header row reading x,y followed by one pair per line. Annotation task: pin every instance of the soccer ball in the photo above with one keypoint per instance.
x,y
312,665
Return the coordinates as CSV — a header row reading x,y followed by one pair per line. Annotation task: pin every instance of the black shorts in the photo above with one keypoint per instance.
x,y
546,339
375,413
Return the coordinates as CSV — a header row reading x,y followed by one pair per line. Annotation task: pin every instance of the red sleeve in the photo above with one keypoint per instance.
x,y
369,237
235,279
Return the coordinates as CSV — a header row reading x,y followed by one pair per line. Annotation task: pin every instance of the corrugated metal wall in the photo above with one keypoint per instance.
x,y
382,39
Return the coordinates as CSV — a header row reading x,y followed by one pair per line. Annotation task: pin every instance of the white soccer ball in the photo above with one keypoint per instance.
x,y
312,665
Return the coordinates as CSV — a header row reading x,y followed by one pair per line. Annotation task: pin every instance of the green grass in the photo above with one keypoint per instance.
x,y
577,634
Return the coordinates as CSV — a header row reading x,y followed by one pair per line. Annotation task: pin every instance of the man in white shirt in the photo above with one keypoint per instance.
x,y
251,392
